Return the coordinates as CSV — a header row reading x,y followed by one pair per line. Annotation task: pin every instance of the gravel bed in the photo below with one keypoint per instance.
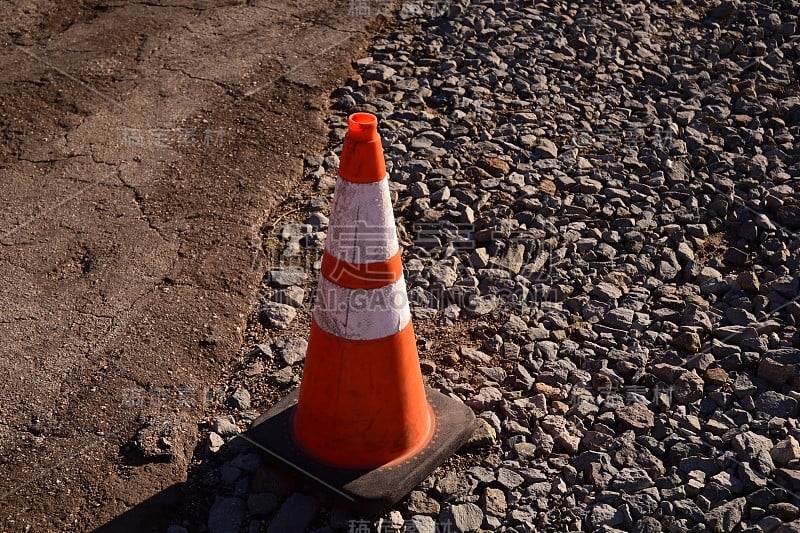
x,y
599,207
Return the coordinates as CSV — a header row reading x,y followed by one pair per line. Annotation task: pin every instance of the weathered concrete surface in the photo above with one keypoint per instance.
x,y
143,145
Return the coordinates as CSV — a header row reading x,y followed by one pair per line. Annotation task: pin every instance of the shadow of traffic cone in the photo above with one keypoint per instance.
x,y
363,424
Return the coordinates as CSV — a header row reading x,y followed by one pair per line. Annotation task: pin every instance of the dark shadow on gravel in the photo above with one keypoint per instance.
x,y
152,515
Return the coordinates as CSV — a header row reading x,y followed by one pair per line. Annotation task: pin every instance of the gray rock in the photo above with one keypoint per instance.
x,y
229,474
543,442
774,372
562,433
261,350
509,479
647,524
421,503
644,503
688,388
262,503
606,291
482,305
620,318
777,404
689,509
249,462
442,274
749,281
240,398
526,451
421,524
454,485
476,356
379,72
494,373
494,502
277,315
786,451
486,398
479,258
286,277
292,349
600,515
482,475
464,517
293,296
747,444
215,442
539,490
283,377
393,523
295,515
546,148
225,426
634,455
784,510
631,480
725,517
589,186
513,258
743,386
318,221
769,523
622,227
483,435
789,215
635,416
735,334
687,341
226,515
789,478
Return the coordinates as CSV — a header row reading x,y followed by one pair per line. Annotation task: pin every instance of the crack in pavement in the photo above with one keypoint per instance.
x,y
139,200
228,89
51,160
154,4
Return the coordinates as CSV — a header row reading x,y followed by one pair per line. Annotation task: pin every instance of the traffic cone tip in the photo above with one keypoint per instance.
x,y
362,127
362,154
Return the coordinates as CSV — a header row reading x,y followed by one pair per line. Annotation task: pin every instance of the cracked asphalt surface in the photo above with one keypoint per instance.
x,y
143,144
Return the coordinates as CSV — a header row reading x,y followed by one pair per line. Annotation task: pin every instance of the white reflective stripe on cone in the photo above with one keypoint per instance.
x,y
361,228
362,314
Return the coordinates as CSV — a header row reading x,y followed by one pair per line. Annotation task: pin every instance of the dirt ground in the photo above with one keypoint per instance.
x,y
143,144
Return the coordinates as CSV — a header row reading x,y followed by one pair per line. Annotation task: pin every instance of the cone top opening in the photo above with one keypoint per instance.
x,y
362,126
362,154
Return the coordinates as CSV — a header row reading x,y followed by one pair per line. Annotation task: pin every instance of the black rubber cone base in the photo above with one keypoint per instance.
x,y
369,491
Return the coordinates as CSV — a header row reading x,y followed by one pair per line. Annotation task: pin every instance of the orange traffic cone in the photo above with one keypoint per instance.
x,y
364,425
